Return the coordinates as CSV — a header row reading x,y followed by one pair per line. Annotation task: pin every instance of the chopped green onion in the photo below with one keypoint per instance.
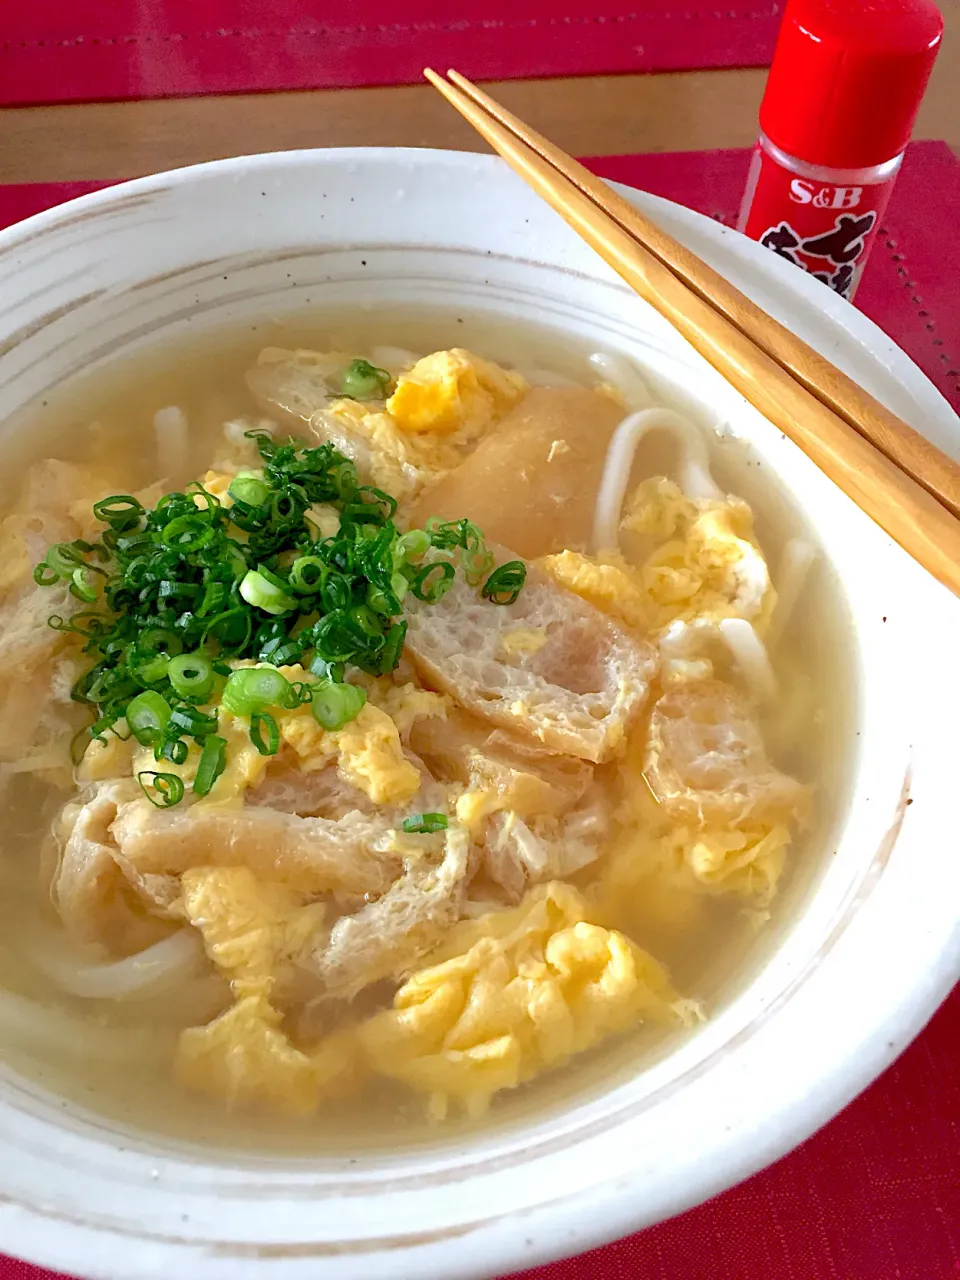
x,y
153,670
364,620
335,705
253,689
257,590
197,582
389,602
307,573
191,675
433,581
120,512
425,823
393,644
335,593
333,641
78,745
327,670
187,719
213,761
161,789
249,489
148,715
504,584
476,564
177,751
189,533
64,559
44,576
260,720
81,586
361,380
161,640
231,630
413,545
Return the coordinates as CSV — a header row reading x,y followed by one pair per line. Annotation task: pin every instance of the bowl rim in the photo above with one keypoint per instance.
x,y
594,1219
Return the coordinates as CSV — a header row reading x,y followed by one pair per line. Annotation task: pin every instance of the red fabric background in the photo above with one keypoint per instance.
x,y
875,1195
75,50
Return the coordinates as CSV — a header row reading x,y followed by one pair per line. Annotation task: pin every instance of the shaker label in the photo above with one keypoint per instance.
x,y
823,227
824,197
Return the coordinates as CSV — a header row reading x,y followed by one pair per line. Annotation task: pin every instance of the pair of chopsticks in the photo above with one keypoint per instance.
x,y
894,474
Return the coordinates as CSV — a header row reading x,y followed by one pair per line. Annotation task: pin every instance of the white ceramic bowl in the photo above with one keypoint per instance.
x,y
856,976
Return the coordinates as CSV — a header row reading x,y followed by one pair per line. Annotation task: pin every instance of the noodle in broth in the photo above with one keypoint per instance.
x,y
557,834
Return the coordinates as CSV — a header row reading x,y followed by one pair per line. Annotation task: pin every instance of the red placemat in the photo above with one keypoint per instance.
x,y
875,1195
80,50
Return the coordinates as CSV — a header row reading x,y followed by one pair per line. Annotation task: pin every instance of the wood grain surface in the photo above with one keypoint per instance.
x,y
594,115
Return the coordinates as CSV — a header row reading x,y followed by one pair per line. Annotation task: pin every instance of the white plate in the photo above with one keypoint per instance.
x,y
878,944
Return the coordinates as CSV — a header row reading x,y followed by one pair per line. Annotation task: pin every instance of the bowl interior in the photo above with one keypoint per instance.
x,y
188,253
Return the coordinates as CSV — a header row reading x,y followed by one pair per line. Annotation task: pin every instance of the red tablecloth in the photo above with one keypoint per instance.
x,y
76,50
875,1195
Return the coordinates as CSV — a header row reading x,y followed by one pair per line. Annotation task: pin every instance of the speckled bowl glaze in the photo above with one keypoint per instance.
x,y
855,976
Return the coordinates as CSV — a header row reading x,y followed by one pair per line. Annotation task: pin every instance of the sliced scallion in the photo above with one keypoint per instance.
x,y
249,489
335,705
213,761
504,584
257,590
254,689
161,789
148,715
425,823
259,722
191,675
362,380
172,597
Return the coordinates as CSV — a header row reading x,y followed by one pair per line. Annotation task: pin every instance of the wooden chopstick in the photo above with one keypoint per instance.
x,y
911,451
906,510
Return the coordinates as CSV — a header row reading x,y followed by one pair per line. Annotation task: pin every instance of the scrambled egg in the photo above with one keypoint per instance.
x,y
710,565
395,463
520,797
108,757
522,642
250,928
251,931
706,564
745,859
514,994
368,751
217,483
405,704
607,584
634,895
438,410
372,758
244,1058
452,391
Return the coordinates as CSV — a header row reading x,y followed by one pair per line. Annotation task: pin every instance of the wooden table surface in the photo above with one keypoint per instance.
x,y
595,115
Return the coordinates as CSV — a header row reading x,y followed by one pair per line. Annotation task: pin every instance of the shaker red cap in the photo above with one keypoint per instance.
x,y
847,79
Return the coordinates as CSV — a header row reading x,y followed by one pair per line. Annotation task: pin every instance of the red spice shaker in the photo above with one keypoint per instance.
x,y
841,99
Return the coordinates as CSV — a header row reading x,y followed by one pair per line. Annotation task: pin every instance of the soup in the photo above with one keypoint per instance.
x,y
387,735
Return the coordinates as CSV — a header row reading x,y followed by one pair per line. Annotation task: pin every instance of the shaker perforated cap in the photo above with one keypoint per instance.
x,y
848,77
